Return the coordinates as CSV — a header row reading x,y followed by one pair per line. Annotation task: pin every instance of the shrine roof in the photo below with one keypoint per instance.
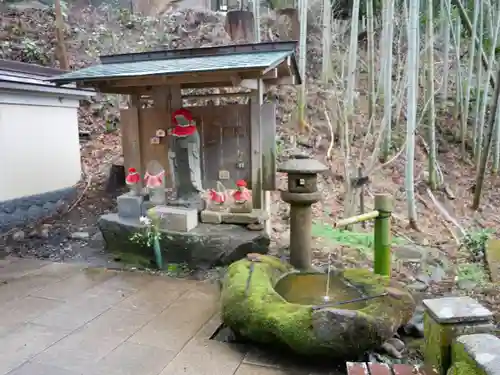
x,y
195,67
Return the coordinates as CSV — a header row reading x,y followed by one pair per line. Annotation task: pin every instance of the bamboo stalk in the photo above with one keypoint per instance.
x,y
382,235
356,219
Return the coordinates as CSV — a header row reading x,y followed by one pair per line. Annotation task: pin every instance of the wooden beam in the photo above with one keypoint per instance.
x,y
270,74
285,68
252,84
268,150
236,80
222,95
291,80
175,80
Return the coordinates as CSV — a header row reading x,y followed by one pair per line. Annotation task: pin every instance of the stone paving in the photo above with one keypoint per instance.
x,y
66,319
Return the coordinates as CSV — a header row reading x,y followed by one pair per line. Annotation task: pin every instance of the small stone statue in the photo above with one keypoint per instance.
x,y
216,200
133,180
154,180
185,160
242,199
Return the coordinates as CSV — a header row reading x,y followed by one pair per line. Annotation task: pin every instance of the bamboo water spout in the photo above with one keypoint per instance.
x,y
382,232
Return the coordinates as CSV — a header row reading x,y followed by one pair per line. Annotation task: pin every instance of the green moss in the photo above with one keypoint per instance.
x,y
440,338
437,345
399,308
463,364
262,315
463,368
135,260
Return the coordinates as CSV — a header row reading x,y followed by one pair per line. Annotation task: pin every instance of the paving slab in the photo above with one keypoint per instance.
x,y
60,319
133,359
248,369
33,368
202,356
74,285
182,319
80,351
23,310
22,344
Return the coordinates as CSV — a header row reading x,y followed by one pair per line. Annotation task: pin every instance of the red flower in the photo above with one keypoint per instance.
x,y
241,183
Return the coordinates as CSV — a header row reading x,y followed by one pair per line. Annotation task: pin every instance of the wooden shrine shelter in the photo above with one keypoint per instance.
x,y
237,140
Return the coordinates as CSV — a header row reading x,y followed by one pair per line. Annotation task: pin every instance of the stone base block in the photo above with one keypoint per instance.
x,y
447,318
476,354
216,217
254,217
211,217
130,206
176,219
205,246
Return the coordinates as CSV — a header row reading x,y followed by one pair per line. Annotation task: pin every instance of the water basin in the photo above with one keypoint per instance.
x,y
310,289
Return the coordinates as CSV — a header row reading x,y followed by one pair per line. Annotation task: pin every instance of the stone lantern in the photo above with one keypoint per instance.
x,y
301,194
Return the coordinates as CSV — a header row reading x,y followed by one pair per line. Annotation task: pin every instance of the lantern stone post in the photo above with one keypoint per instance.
x,y
301,194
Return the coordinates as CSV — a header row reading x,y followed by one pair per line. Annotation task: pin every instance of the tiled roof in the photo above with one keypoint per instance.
x,y
182,65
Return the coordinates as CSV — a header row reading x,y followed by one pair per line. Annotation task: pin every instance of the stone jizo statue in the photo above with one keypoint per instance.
x,y
242,198
185,160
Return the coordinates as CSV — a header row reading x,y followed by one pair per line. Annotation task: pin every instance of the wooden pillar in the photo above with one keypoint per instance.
x,y
261,199
256,146
131,135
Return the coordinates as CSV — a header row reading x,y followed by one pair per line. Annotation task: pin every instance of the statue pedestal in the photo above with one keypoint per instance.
x,y
176,219
130,205
195,202
224,217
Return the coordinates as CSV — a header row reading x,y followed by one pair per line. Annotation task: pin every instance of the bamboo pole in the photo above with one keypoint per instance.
x,y
382,235
356,219
479,43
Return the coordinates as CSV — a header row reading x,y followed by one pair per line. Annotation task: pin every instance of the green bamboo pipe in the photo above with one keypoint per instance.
x,y
356,219
157,250
382,235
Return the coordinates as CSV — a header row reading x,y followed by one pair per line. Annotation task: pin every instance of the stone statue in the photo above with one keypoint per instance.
x,y
185,161
133,180
155,182
242,198
216,200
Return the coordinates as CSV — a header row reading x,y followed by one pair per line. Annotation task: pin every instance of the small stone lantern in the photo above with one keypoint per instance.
x,y
301,194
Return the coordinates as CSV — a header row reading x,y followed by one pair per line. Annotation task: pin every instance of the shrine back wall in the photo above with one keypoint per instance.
x,y
224,133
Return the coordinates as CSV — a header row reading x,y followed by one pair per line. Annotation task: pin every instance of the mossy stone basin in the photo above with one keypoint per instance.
x,y
273,306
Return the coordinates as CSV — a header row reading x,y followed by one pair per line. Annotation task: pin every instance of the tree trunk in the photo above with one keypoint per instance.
x,y
484,156
62,56
413,55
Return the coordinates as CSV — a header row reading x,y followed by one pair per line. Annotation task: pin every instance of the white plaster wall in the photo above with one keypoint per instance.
x,y
39,145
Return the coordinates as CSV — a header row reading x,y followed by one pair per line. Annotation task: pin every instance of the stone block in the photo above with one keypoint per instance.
x,y
256,216
176,219
146,206
205,246
476,354
447,318
211,217
129,206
